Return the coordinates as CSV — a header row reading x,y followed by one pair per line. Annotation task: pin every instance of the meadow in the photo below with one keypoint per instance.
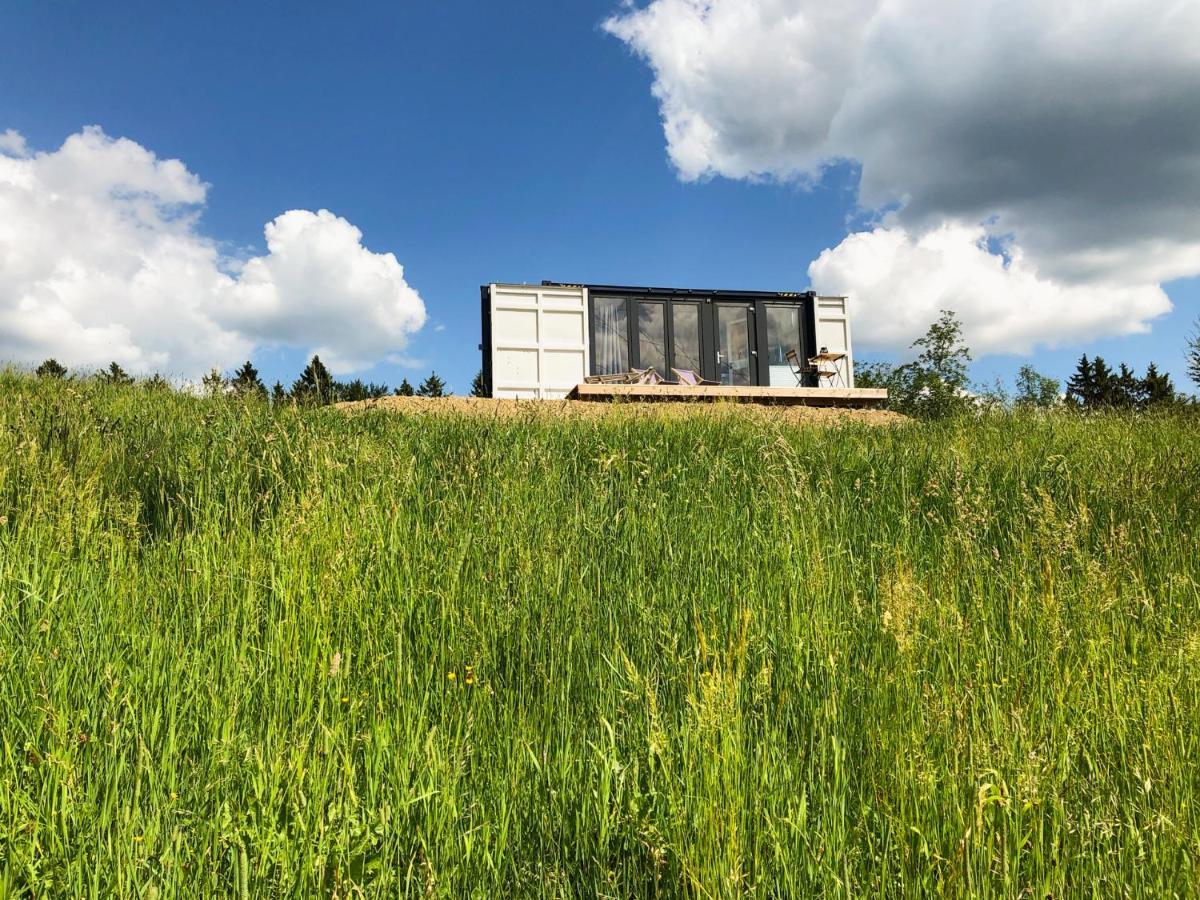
x,y
298,652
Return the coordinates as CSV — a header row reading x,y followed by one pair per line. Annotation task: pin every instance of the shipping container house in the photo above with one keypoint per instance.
x,y
540,341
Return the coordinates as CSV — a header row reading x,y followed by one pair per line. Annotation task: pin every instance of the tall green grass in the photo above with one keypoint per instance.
x,y
303,653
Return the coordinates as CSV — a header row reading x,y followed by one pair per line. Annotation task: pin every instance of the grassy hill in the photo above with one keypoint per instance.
x,y
308,653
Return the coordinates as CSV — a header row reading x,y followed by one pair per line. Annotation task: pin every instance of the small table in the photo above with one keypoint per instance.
x,y
830,371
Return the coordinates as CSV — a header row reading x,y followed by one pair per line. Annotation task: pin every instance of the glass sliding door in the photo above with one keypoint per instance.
x,y
734,356
652,336
610,351
783,334
685,330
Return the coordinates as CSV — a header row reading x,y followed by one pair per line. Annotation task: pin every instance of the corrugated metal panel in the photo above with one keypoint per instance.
x,y
832,326
538,340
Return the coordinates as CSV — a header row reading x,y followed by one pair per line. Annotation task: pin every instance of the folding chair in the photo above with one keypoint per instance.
x,y
799,369
690,378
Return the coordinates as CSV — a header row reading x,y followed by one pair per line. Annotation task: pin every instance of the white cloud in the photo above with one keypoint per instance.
x,y
898,282
1068,129
101,258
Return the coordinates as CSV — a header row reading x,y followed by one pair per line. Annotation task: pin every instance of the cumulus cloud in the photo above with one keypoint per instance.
x,y
898,282
101,258
1069,131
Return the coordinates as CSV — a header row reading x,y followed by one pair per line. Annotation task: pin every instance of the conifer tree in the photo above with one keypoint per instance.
x,y
278,394
51,368
405,389
1127,389
315,384
247,383
1156,387
214,384
114,374
1104,384
156,383
478,388
1081,388
1192,355
433,386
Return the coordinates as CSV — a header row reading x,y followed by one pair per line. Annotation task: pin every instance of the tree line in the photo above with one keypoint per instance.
x,y
935,385
315,386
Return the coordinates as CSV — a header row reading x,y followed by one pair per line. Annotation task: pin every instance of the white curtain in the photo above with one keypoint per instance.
x,y
612,336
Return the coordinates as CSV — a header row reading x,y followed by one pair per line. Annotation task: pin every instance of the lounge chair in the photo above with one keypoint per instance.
x,y
690,378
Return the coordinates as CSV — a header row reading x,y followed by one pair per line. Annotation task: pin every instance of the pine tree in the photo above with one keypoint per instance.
x,y
214,384
247,383
432,387
1127,389
1104,384
114,374
1156,387
51,368
156,383
1192,355
478,388
315,384
1081,388
278,394
405,389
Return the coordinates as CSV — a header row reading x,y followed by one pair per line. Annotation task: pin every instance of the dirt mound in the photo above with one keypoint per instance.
x,y
477,406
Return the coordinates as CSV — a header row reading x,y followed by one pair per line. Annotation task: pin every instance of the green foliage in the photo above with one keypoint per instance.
x,y
1036,390
1156,388
1192,355
154,383
433,386
278,394
114,375
51,368
247,383
315,386
214,384
1094,385
360,390
934,385
289,652
478,388
405,389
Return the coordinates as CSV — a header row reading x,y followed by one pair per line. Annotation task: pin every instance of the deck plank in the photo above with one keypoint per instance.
x,y
790,396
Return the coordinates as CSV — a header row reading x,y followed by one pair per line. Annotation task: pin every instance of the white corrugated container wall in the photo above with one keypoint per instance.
x,y
539,341
832,321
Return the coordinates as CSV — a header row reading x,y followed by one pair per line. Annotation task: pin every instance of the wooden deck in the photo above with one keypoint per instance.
x,y
785,396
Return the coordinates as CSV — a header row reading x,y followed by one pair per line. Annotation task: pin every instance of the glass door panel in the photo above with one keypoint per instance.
x,y
734,359
685,328
783,334
610,356
652,336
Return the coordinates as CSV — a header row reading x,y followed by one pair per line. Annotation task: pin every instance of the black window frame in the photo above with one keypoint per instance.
x,y
755,301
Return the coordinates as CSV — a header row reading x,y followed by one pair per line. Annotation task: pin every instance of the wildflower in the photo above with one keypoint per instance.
x,y
345,699
451,675
470,676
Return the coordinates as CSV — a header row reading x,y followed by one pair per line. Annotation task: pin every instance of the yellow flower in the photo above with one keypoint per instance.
x,y
345,699
470,677
451,675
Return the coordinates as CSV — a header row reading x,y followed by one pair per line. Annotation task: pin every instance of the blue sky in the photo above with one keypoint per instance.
x,y
476,141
